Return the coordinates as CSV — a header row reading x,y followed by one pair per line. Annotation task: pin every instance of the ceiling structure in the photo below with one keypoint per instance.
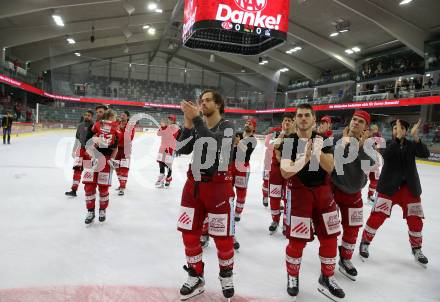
x,y
29,33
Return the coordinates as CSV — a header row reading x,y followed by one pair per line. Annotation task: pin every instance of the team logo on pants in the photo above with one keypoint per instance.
x,y
274,190
218,224
331,222
383,205
355,217
300,227
186,218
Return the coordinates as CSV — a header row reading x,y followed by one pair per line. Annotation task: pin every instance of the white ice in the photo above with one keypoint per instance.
x,y
44,242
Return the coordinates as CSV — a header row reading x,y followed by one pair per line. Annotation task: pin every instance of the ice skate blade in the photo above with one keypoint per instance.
x,y
326,293
195,293
352,278
272,232
363,259
425,266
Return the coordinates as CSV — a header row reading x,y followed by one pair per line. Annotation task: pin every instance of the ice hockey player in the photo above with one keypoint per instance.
x,y
399,184
83,134
348,179
208,191
268,154
97,171
124,152
310,200
244,144
277,184
375,173
169,131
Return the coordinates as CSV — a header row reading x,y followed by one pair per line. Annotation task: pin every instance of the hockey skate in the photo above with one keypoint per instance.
x,y
419,257
347,268
204,241
329,288
168,182
90,216
194,286
101,215
237,217
265,201
363,251
227,283
121,192
71,193
273,227
236,244
293,286
160,181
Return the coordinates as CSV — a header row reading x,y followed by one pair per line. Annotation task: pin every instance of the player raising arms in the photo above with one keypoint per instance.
x,y
399,183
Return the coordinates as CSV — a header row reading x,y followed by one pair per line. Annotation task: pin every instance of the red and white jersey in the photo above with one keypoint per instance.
x,y
121,134
169,135
107,132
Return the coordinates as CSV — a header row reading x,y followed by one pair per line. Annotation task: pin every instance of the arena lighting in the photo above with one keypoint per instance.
x,y
284,69
334,34
77,54
356,49
71,40
344,30
152,6
428,74
295,49
151,31
58,20
146,26
262,61
405,2
349,51
158,10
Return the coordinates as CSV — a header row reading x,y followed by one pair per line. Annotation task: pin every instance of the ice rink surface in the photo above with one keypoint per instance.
x,y
48,254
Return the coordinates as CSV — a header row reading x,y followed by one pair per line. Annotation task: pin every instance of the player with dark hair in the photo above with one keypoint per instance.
x,y
277,184
208,191
311,208
244,144
83,134
399,184
268,155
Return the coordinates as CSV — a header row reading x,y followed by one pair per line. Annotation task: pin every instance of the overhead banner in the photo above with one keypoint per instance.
x,y
246,27
429,100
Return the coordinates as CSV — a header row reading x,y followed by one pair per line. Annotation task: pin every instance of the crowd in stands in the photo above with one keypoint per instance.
x,y
392,65
139,90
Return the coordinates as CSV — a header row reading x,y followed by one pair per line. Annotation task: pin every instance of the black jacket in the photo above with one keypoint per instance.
x,y
400,166
7,122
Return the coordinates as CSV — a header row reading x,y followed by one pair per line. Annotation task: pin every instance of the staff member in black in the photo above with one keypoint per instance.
x,y
7,127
